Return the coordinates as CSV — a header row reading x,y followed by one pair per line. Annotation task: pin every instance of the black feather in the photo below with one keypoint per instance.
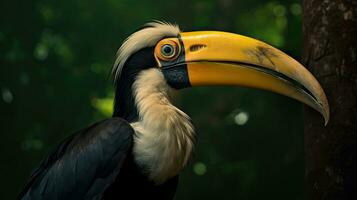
x,y
84,165
124,100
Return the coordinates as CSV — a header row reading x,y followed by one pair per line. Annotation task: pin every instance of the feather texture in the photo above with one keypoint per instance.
x,y
84,165
165,135
146,37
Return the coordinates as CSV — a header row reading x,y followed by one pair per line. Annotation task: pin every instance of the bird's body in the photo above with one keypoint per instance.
x,y
139,152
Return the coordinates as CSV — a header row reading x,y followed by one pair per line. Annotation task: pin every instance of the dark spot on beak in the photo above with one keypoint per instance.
x,y
261,53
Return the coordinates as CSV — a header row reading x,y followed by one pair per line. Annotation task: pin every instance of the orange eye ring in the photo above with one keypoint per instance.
x,y
168,50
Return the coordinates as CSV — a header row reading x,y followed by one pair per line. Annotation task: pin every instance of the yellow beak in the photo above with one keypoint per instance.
x,y
220,58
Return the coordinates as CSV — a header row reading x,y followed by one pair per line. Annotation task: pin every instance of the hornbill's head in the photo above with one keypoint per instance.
x,y
202,58
159,58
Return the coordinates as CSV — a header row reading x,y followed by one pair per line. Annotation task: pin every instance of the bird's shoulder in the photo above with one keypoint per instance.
x,y
96,151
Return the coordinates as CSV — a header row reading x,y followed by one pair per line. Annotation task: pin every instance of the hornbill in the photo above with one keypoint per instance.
x,y
139,152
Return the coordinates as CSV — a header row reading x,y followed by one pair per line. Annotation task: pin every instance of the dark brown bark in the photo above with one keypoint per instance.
x,y
330,53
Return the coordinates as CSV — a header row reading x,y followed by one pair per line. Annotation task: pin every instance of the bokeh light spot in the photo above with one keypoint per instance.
x,y
199,168
296,9
241,118
279,10
7,95
41,52
103,105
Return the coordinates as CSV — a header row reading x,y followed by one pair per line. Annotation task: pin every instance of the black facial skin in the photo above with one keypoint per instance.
x,y
175,73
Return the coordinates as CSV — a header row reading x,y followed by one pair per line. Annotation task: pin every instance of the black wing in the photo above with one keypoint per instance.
x,y
83,165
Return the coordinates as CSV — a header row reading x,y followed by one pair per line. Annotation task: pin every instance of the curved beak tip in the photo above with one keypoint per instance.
x,y
326,115
322,106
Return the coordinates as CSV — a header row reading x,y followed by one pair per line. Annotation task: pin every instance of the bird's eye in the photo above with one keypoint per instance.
x,y
168,51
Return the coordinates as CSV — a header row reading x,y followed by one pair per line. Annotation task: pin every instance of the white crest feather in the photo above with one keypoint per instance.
x,y
146,37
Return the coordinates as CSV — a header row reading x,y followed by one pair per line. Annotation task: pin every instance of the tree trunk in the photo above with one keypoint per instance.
x,y
330,53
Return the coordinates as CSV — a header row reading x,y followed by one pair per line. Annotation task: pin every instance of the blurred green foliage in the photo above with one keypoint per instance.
x,y
55,60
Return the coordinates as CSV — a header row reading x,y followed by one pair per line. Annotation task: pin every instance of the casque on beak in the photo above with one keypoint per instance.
x,y
218,58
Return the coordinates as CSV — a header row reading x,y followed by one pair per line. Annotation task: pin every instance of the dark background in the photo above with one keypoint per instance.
x,y
55,61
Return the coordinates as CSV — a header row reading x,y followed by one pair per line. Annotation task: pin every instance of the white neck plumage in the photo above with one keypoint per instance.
x,y
165,136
